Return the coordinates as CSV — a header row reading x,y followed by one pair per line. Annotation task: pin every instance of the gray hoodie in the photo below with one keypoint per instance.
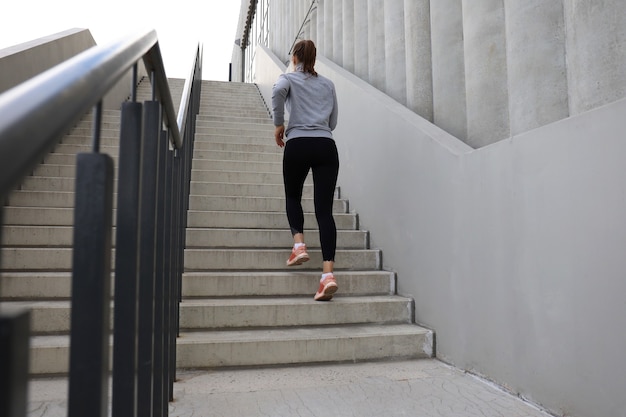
x,y
311,102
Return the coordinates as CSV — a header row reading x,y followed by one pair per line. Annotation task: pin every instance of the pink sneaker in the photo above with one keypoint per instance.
x,y
327,288
298,256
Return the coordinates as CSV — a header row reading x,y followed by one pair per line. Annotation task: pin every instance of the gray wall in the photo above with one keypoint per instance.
x,y
24,61
483,70
513,252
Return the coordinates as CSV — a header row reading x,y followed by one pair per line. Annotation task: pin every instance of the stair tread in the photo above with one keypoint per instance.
x,y
303,333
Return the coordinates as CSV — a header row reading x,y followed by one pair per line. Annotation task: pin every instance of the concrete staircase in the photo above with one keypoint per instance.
x,y
241,305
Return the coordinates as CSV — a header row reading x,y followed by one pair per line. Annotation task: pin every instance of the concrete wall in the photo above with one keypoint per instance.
x,y
24,61
483,70
513,252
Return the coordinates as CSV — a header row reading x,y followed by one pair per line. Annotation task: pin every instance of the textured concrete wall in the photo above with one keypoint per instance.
x,y
395,51
513,252
486,89
448,67
536,63
481,70
376,44
596,52
419,77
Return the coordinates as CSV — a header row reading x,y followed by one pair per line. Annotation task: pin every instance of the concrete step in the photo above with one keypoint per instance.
x,y
239,130
233,146
268,238
249,190
242,166
67,184
302,345
60,259
306,345
259,204
274,259
225,157
238,177
239,156
229,111
232,118
64,216
53,317
45,285
111,147
62,236
59,199
249,139
264,127
263,220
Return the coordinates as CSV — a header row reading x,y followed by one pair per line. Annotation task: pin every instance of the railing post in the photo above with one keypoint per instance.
x,y
159,407
145,364
127,263
167,276
91,283
14,355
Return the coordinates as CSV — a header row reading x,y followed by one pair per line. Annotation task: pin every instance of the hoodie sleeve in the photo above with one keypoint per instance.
x,y
332,120
279,95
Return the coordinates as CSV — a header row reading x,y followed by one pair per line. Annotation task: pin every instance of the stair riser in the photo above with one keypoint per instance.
x,y
240,177
225,259
46,286
201,203
196,238
255,204
56,158
55,319
193,354
60,259
242,220
235,139
260,132
227,111
298,283
239,156
215,164
247,190
82,143
227,238
261,128
255,353
314,313
68,167
197,188
216,219
231,118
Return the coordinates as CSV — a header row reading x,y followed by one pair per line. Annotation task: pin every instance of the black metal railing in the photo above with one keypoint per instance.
x,y
154,168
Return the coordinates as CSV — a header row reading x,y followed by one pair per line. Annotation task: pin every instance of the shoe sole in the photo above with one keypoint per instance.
x,y
329,290
299,260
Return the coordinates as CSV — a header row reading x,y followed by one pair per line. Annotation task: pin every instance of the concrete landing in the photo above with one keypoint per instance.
x,y
421,388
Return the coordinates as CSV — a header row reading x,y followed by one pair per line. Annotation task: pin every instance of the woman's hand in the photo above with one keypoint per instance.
x,y
279,133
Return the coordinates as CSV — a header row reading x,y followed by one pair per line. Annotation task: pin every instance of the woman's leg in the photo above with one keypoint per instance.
x,y
325,171
295,170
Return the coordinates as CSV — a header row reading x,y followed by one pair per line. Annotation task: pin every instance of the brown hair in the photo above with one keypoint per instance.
x,y
305,51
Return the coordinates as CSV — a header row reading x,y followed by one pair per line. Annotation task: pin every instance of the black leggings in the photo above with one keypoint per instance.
x,y
319,155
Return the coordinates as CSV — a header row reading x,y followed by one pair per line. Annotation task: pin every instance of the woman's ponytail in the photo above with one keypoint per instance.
x,y
306,53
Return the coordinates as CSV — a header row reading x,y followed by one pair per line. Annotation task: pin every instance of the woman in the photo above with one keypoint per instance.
x,y
309,144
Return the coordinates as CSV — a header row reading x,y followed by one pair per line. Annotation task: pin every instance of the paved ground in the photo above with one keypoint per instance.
x,y
421,388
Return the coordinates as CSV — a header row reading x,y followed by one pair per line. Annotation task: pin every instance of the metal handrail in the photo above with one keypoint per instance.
x,y
59,97
184,104
152,202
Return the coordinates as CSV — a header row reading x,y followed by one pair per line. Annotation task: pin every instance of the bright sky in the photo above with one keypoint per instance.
x,y
180,25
